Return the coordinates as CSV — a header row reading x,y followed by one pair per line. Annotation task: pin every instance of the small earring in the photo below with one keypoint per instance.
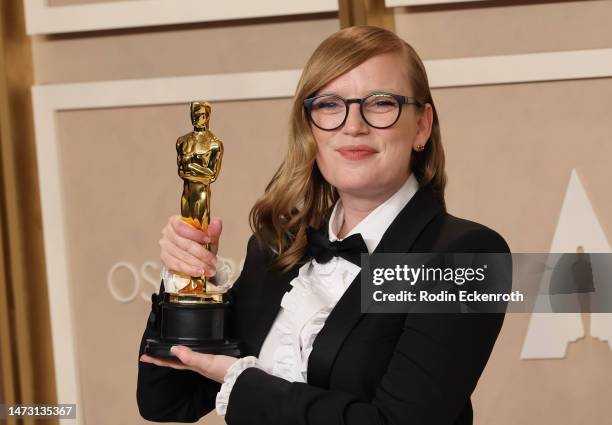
x,y
420,148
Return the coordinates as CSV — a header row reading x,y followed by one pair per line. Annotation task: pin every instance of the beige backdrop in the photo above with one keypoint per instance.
x,y
510,150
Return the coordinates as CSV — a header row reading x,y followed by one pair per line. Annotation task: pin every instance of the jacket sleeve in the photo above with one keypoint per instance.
x,y
168,395
433,370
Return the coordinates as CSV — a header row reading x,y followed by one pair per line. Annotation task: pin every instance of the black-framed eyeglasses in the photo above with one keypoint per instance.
x,y
379,109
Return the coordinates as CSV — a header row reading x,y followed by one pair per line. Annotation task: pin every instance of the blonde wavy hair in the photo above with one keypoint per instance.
x,y
298,196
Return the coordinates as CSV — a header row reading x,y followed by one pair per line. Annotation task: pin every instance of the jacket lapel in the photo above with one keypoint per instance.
x,y
399,237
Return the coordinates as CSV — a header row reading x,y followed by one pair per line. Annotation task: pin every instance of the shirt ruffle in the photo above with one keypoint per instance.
x,y
231,375
305,308
221,282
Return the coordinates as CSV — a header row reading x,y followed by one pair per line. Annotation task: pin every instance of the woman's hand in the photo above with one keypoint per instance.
x,y
182,247
212,366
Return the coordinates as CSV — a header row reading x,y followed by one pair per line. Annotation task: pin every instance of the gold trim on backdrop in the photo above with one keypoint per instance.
x,y
8,379
365,12
27,329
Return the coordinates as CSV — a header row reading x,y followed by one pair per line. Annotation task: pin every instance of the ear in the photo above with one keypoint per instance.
x,y
424,126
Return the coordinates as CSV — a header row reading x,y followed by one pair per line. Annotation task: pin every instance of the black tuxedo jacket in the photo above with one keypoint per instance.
x,y
364,369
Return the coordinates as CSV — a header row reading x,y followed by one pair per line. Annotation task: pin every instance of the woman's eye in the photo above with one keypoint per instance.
x,y
326,105
382,105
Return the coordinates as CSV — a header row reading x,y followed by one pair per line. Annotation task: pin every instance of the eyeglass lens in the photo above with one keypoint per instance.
x,y
379,110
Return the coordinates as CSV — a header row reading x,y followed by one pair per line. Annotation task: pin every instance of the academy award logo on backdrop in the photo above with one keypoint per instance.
x,y
128,281
578,229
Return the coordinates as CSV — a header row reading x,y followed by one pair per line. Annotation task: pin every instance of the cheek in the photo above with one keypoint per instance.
x,y
397,154
400,148
324,153
325,163
398,140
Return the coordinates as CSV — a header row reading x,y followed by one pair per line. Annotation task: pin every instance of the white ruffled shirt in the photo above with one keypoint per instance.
x,y
314,293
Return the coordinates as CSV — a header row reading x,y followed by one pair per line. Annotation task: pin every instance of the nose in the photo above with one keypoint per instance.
x,y
354,123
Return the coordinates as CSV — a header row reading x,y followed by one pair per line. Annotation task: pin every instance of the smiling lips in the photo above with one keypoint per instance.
x,y
356,152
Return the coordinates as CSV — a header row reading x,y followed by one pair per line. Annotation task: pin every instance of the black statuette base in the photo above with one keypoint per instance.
x,y
201,327
157,348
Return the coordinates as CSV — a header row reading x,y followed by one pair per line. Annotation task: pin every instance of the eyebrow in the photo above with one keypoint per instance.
x,y
368,93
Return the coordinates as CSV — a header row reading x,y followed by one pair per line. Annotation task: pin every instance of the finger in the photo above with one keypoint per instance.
x,y
192,247
199,362
189,251
175,264
170,250
214,230
186,230
213,233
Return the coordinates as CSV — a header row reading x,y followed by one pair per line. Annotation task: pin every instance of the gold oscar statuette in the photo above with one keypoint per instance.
x,y
193,313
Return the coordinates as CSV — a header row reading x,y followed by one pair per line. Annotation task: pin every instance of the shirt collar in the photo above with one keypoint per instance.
x,y
374,225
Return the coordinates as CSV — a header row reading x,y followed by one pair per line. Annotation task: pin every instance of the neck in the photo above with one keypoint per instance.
x,y
357,207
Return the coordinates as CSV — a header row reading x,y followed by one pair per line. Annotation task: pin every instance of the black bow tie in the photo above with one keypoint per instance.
x,y
323,250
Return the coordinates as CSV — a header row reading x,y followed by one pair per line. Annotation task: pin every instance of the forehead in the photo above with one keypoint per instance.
x,y
385,72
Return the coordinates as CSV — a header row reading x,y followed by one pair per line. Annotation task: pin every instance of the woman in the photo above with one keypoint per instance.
x,y
365,163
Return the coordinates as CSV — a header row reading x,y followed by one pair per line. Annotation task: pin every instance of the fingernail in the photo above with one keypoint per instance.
x,y
174,349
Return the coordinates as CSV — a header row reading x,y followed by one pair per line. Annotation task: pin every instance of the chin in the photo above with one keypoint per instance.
x,y
355,178
356,187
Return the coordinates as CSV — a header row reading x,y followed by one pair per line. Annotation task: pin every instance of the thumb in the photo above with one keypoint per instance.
x,y
214,230
184,354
